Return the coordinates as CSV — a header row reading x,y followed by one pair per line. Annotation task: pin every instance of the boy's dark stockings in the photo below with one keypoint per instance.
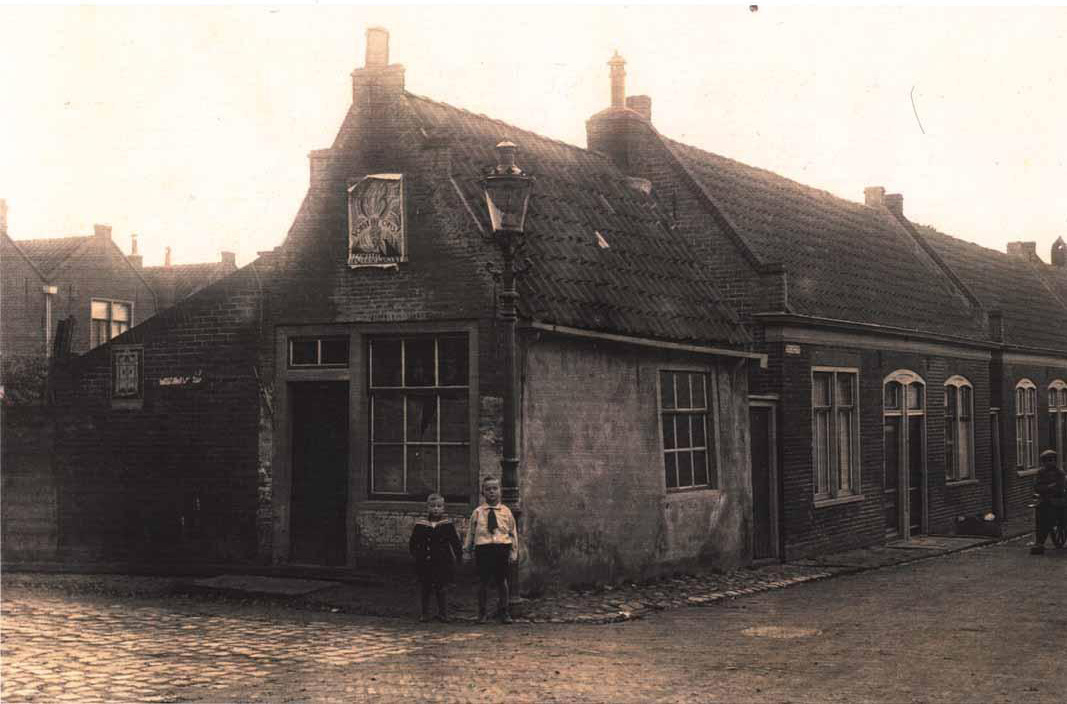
x,y
442,601
503,599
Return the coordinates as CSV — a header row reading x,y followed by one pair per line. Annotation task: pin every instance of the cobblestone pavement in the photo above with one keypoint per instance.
x,y
984,625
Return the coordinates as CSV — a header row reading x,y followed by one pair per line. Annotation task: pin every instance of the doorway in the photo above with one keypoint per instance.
x,y
319,499
764,448
904,449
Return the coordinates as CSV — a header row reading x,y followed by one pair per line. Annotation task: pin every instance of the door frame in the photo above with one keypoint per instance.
x,y
769,401
906,377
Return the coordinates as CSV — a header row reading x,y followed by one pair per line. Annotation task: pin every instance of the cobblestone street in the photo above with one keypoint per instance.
x,y
983,625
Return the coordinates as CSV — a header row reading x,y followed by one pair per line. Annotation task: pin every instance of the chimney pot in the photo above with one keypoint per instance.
x,y
102,231
229,259
895,203
1059,253
618,81
874,196
641,104
166,257
1025,250
377,55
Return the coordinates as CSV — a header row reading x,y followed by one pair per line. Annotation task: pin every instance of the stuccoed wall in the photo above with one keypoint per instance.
x,y
596,507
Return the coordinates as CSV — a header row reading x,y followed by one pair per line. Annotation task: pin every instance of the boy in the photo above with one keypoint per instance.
x,y
492,537
1049,485
435,546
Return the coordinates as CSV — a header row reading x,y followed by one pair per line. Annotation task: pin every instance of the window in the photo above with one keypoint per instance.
x,y
419,417
1057,414
1025,424
688,446
318,352
959,429
835,432
110,319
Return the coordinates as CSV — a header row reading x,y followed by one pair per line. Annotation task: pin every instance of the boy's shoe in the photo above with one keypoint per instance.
x,y
1037,550
505,617
482,618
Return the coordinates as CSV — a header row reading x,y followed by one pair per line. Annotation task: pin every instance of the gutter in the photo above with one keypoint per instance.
x,y
890,331
645,342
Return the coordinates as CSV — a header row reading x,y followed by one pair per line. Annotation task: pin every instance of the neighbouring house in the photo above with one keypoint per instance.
x,y
175,282
716,364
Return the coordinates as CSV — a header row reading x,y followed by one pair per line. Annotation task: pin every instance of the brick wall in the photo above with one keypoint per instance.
x,y
21,305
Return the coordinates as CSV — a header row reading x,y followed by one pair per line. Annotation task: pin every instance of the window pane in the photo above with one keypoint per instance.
x,y
385,363
700,468
422,418
335,351
822,452
892,442
966,402
668,432
844,450
698,430
388,473
303,351
950,401
965,450
455,471
99,332
452,361
671,465
685,469
388,412
681,425
844,389
422,470
419,362
682,383
700,394
120,311
915,397
666,386
100,310
892,396
821,390
454,418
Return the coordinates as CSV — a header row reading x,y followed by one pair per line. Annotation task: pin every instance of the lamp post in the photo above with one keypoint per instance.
x,y
507,193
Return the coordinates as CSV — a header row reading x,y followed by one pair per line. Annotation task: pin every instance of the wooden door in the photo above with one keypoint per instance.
x,y
764,480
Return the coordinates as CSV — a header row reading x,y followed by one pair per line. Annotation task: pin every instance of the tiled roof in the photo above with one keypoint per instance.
x,y
601,255
48,254
1034,315
845,261
188,278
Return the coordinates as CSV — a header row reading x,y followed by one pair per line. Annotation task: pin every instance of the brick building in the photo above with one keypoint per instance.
x,y
717,364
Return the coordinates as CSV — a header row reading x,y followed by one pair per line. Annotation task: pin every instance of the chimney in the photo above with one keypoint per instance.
x,y
166,257
641,104
894,202
1058,256
136,259
1025,250
229,260
377,77
874,196
618,81
103,232
3,216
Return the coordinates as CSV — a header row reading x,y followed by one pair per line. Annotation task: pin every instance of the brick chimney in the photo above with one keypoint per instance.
x,y
166,257
228,260
1058,256
136,259
377,78
103,232
1025,250
874,196
894,202
622,130
3,216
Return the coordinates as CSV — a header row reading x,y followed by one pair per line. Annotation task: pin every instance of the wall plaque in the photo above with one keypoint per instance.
x,y
376,234
126,366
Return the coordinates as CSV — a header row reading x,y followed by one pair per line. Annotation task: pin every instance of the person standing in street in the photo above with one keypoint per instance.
x,y
1051,489
435,545
492,536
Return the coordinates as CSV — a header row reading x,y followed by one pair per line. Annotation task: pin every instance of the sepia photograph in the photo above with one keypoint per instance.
x,y
533,353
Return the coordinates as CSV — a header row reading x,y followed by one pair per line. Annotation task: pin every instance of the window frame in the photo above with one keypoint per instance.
x,y
110,302
1026,438
1058,419
404,392
319,339
959,425
711,428
834,493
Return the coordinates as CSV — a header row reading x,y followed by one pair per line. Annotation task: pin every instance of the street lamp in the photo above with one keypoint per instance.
x,y
507,194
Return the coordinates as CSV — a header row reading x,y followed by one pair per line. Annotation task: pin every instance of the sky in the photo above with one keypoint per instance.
x,y
190,126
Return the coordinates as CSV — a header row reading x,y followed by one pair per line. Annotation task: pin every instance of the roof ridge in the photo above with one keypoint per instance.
x,y
508,125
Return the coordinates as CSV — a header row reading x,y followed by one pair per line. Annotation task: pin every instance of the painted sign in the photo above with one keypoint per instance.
x,y
376,234
126,372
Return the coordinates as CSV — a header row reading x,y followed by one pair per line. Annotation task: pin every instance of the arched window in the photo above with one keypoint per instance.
x,y
959,429
1025,425
1057,412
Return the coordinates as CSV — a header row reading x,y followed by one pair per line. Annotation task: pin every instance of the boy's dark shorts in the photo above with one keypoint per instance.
x,y
492,561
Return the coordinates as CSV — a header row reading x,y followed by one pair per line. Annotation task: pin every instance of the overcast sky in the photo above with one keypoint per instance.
x,y
191,126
